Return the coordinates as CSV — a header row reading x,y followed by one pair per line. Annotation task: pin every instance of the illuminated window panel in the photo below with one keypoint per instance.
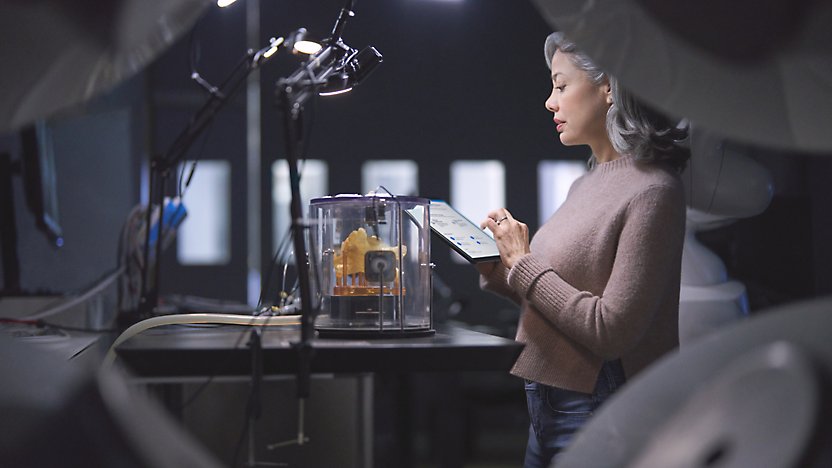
x,y
477,187
399,177
204,238
553,180
314,183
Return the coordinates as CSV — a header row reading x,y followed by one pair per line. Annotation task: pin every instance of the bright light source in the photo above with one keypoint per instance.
x,y
333,93
224,3
275,45
307,47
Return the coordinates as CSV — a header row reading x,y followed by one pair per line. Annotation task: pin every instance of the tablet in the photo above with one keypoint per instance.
x,y
462,234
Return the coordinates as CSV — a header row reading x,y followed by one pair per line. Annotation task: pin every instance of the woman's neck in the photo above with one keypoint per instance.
x,y
604,152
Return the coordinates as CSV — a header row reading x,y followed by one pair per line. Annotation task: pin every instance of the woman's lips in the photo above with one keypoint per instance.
x,y
559,124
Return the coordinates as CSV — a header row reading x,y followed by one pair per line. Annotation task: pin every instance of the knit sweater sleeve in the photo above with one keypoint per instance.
x,y
497,282
642,275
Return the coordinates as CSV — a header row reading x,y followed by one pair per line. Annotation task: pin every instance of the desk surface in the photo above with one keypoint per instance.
x,y
223,350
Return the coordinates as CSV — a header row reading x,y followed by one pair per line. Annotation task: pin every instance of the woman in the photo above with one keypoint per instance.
x,y
599,283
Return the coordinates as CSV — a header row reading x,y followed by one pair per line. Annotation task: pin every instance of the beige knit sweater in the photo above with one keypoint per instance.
x,y
602,279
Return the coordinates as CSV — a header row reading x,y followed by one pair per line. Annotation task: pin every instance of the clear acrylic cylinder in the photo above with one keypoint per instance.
x,y
371,260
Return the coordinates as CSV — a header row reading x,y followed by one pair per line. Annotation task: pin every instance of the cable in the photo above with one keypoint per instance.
x,y
213,374
45,324
77,300
129,283
228,319
277,254
181,190
210,378
193,59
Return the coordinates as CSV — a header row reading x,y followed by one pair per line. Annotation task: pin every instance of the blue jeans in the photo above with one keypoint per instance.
x,y
557,414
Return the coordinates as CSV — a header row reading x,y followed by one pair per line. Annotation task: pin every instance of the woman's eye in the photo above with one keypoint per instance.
x,y
560,88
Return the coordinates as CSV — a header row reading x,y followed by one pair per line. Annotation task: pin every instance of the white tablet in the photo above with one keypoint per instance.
x,y
462,234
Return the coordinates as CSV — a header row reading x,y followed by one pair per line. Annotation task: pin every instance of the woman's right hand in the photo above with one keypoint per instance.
x,y
512,236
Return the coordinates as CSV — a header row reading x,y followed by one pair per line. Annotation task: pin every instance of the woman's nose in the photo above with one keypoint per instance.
x,y
551,103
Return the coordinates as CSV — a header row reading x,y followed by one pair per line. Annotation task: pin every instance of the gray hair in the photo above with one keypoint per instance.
x,y
633,127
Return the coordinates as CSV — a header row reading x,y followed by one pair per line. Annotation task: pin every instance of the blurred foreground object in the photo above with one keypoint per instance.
x,y
723,184
58,414
753,394
55,54
756,71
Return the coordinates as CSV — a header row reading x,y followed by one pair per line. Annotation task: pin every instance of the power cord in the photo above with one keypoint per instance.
x,y
40,323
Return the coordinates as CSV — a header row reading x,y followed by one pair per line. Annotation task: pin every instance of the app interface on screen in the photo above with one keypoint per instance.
x,y
461,231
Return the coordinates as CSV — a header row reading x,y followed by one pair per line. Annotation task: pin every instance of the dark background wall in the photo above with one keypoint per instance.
x,y
97,149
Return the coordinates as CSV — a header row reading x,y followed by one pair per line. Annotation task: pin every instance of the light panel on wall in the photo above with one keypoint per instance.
x,y
554,179
400,177
477,187
205,236
314,182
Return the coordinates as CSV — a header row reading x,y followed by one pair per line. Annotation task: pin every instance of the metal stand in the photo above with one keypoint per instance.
x,y
255,404
292,93
161,166
292,109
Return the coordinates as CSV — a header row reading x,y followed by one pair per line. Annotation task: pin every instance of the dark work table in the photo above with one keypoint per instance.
x,y
184,350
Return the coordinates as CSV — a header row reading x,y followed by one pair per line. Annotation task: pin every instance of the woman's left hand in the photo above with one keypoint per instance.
x,y
511,235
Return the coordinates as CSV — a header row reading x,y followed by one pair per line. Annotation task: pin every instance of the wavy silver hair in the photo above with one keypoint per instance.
x,y
633,127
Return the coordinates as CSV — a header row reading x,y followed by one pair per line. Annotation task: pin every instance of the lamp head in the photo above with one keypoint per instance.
x,y
356,68
299,42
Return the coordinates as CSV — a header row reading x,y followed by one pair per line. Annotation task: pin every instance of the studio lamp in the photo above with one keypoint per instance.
x,y
306,47
299,42
356,67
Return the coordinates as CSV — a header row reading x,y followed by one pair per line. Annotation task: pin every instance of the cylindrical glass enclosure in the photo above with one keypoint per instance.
x,y
372,266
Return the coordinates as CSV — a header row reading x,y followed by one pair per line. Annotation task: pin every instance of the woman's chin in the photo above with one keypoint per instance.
x,y
565,140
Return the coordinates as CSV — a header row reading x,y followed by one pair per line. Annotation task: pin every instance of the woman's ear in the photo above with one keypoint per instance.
x,y
608,92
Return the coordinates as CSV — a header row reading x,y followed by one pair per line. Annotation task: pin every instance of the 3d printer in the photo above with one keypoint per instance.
x,y
374,268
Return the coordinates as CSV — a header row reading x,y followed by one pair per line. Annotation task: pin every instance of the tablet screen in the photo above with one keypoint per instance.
x,y
461,233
